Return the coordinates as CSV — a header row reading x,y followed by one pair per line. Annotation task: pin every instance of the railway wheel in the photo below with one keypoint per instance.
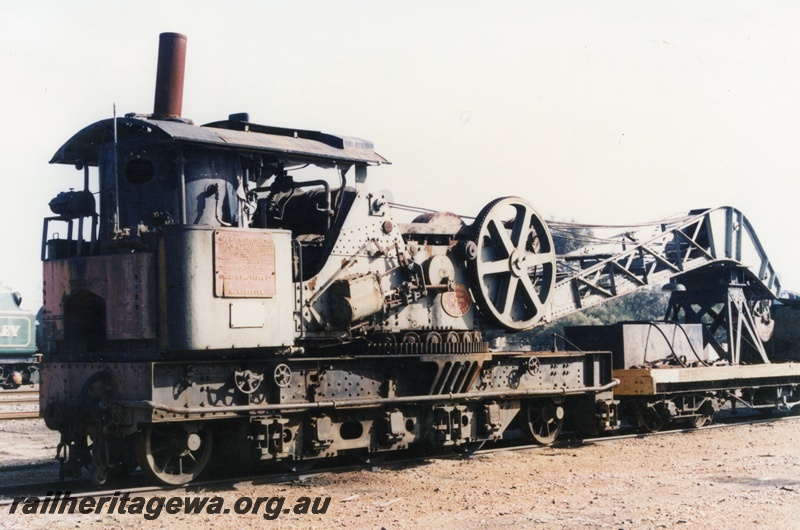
x,y
696,422
299,466
172,454
470,448
648,418
373,458
542,420
514,269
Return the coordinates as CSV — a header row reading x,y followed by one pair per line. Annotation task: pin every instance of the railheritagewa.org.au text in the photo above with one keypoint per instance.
x,y
154,507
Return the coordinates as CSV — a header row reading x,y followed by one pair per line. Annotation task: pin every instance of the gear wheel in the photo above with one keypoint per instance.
x,y
514,271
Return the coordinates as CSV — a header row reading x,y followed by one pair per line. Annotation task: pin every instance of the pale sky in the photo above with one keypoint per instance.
x,y
603,112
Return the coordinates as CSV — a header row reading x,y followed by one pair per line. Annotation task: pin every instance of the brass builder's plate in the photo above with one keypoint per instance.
x,y
244,264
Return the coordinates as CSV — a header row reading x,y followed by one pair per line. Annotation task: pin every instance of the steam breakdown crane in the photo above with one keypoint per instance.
x,y
222,289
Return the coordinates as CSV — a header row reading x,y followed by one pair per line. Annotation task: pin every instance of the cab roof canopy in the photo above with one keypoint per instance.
x,y
289,145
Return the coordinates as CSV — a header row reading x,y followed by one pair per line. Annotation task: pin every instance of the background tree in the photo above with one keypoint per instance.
x,y
569,238
644,305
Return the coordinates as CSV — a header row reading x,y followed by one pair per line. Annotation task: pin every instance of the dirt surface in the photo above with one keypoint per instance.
x,y
735,477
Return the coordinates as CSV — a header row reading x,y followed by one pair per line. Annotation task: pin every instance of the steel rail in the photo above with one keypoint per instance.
x,y
8,492
19,392
20,415
19,401
19,396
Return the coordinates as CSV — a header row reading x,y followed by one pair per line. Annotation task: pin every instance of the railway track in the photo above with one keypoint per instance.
x,y
138,483
26,398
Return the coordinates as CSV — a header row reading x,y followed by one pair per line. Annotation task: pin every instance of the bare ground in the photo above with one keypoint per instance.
x,y
736,477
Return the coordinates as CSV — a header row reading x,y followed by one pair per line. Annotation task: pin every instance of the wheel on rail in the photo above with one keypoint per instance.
x,y
470,448
514,270
98,475
649,419
373,458
173,454
701,420
541,420
299,466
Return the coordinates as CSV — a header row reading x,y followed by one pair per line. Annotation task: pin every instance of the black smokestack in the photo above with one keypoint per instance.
x,y
169,77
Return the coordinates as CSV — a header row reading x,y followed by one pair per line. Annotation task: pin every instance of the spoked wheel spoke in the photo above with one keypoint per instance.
x,y
495,267
513,273
500,237
510,293
531,294
522,223
172,454
541,420
535,260
164,465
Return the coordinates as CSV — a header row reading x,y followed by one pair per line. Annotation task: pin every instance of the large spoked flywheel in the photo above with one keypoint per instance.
x,y
514,270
